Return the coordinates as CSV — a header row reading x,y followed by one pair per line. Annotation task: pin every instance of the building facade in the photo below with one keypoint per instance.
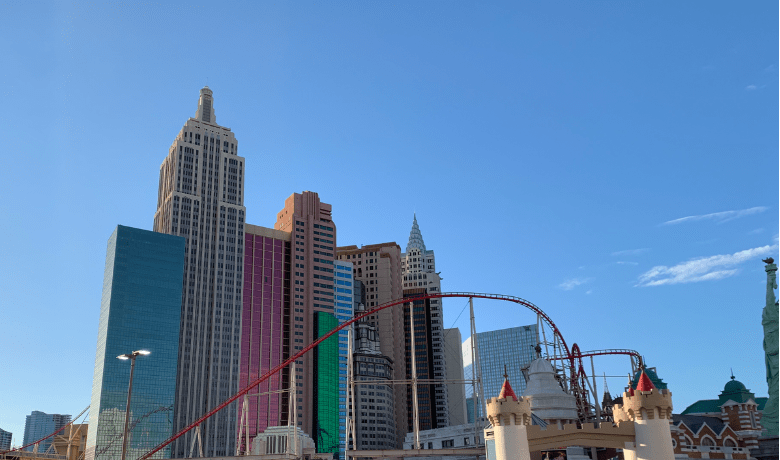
x,y
200,198
421,321
378,267
374,413
140,310
730,424
5,439
456,392
418,266
265,326
344,293
312,280
512,347
39,424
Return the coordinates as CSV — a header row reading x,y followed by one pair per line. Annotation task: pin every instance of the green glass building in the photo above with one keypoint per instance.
x,y
326,384
140,310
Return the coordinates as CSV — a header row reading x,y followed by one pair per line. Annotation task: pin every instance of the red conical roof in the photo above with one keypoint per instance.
x,y
644,383
507,391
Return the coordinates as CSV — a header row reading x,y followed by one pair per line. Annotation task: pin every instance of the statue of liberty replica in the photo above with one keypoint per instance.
x,y
768,442
769,321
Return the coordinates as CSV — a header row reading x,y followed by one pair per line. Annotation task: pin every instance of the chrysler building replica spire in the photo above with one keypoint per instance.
x,y
201,198
418,267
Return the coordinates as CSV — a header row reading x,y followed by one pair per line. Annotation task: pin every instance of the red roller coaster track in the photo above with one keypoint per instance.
x,y
573,355
308,348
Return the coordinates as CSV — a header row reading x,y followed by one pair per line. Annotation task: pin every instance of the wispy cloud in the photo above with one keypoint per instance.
x,y
719,217
750,87
622,262
771,68
572,283
589,291
631,252
756,231
703,268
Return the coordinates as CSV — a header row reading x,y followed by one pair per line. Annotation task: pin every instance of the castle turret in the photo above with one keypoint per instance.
x,y
509,416
650,409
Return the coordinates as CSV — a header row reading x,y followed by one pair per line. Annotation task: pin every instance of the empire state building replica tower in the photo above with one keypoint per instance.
x,y
200,197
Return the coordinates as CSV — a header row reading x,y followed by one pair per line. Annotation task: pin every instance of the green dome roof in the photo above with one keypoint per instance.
x,y
735,391
734,386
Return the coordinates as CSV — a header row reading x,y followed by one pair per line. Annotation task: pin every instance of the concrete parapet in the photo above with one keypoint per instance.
x,y
644,405
508,411
589,435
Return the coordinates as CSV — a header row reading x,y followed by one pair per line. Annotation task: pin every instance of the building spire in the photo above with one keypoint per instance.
x,y
415,237
606,390
206,106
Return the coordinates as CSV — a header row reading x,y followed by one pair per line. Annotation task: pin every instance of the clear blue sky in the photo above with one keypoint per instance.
x,y
548,149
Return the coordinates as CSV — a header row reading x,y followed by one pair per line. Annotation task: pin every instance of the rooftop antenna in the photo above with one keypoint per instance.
x,y
732,373
506,375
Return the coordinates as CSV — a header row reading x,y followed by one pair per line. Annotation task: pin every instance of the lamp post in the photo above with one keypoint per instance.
x,y
131,357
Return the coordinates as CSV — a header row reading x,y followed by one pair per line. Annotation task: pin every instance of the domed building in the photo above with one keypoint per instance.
x,y
727,427
548,400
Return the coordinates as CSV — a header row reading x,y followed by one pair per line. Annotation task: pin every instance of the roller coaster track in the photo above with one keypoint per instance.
x,y
573,355
46,437
311,346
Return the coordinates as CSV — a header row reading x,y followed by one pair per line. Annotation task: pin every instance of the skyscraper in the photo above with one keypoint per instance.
x,y
418,265
140,310
5,439
200,198
265,325
456,396
374,414
40,424
421,323
344,311
313,244
513,347
378,267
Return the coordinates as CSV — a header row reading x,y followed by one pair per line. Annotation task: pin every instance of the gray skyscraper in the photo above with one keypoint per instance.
x,y
38,425
5,439
200,197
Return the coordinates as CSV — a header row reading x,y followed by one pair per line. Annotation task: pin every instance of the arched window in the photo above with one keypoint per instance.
x,y
688,442
707,441
729,443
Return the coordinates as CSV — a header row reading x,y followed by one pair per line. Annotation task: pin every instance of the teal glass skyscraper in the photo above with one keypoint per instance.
x,y
140,310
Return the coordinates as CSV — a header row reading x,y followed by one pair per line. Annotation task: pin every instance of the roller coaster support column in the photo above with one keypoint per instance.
x,y
351,396
414,381
474,393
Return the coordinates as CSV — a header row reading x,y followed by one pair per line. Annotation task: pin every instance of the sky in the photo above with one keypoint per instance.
x,y
615,163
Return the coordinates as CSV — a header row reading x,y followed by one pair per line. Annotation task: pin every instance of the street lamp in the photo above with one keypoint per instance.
x,y
131,357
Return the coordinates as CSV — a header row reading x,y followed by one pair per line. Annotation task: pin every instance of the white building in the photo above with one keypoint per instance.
x,y
450,437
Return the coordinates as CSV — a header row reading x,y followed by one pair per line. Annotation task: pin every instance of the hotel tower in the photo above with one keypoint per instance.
x,y
200,198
